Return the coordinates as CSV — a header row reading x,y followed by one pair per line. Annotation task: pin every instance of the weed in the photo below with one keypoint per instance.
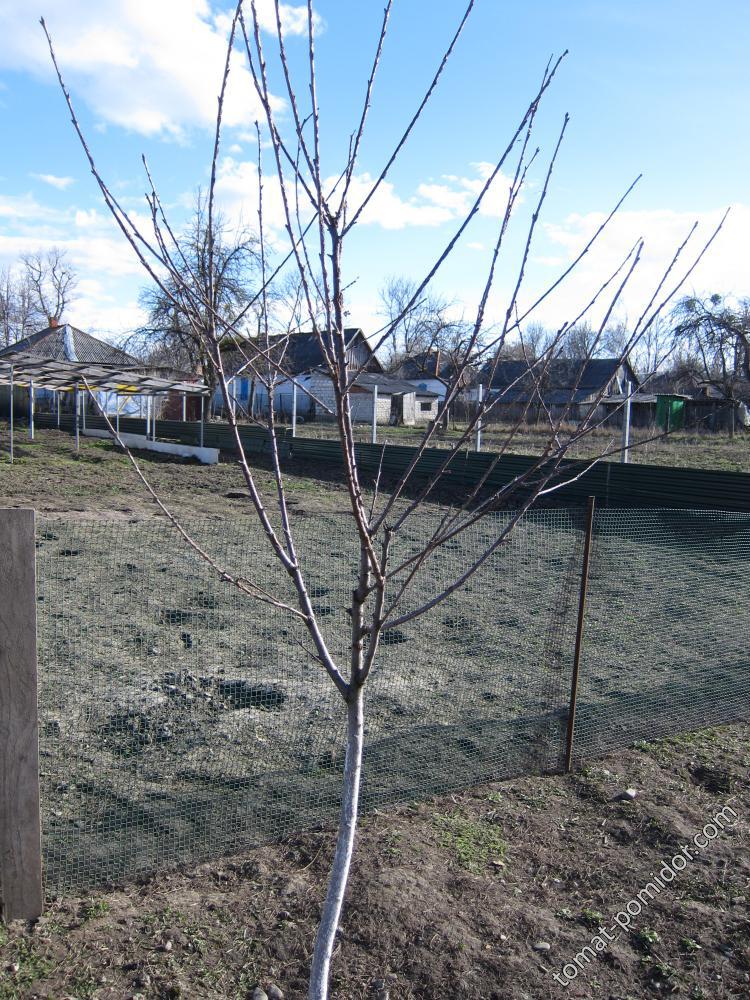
x,y
93,908
83,986
474,842
592,918
645,939
31,967
689,945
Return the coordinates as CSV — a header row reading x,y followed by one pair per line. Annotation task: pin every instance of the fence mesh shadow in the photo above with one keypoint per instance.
x,y
180,721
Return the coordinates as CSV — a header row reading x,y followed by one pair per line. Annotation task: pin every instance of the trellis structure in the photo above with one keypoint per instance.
x,y
73,376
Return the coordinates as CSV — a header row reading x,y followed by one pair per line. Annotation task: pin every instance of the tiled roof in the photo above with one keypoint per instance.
x,y
67,343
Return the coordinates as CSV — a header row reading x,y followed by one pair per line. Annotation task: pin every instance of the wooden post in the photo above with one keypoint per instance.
x,y
184,407
203,409
20,828
294,409
57,399
375,415
579,633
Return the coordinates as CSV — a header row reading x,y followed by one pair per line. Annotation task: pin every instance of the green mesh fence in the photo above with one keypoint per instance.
x,y
667,643
180,721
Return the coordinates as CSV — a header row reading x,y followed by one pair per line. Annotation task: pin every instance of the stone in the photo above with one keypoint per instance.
x,y
542,946
628,795
274,993
258,994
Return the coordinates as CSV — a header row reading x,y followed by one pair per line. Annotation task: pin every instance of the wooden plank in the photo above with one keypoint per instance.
x,y
20,834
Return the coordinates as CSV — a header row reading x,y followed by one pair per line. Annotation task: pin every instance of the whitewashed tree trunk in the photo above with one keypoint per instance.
x,y
342,858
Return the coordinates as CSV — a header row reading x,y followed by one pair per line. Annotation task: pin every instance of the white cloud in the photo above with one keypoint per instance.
x,y
154,68
433,203
24,207
723,269
61,183
109,273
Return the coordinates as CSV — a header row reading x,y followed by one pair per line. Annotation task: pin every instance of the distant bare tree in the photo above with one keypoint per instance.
x,y
222,268
320,216
418,324
52,280
715,337
17,313
581,341
533,342
34,291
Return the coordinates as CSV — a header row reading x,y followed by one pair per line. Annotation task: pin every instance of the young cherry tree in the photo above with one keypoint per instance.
x,y
320,216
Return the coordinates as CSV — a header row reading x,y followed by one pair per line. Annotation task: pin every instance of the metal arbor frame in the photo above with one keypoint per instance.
x,y
71,376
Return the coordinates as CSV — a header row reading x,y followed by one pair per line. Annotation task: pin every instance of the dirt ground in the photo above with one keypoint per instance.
x,y
454,896
450,898
48,472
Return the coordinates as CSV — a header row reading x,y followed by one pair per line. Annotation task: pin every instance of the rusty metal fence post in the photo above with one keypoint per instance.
x,y
20,835
580,626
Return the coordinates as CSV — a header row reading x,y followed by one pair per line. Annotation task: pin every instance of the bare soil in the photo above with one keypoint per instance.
x,y
48,474
448,898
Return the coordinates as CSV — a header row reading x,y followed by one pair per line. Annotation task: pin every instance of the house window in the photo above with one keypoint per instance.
x,y
425,407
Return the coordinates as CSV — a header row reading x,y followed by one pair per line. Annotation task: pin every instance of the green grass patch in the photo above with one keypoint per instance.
x,y
475,843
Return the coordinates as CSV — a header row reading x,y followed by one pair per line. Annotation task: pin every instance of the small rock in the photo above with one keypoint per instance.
x,y
542,946
168,945
258,994
628,795
274,993
12,968
503,937
143,981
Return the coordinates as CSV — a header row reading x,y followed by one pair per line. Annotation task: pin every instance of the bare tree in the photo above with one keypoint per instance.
x,y
715,335
225,273
320,216
419,325
581,341
52,280
21,312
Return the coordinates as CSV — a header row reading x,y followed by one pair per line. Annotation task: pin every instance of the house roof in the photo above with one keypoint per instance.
x,y
68,343
389,384
429,365
692,385
301,352
560,380
386,384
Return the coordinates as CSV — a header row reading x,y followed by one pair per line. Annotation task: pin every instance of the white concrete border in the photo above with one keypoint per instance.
x,y
208,456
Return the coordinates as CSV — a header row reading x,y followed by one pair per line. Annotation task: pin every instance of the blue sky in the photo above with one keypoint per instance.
x,y
658,88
